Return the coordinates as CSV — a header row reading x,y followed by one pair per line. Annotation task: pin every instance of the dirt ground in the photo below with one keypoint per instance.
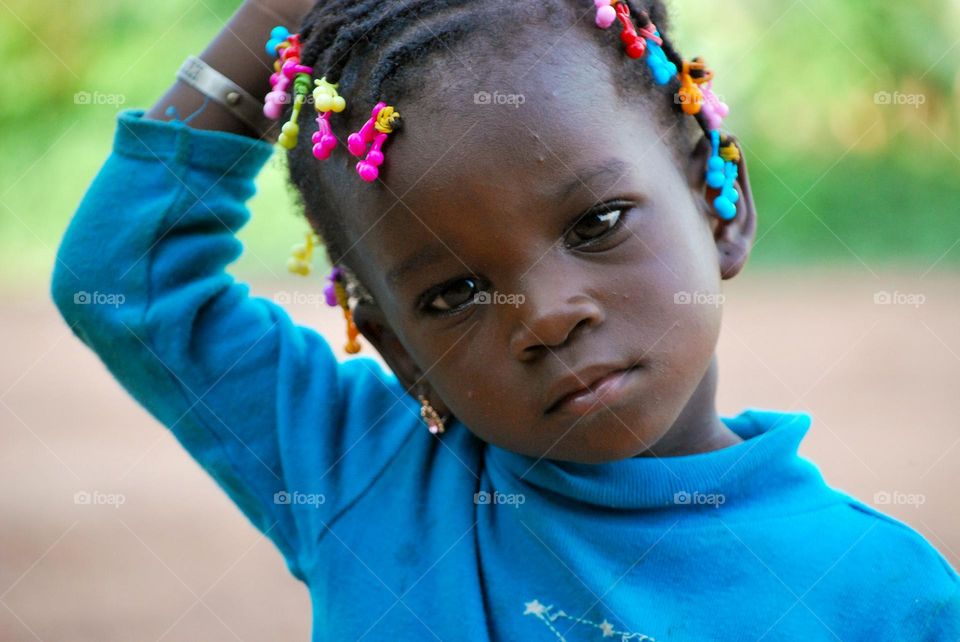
x,y
176,561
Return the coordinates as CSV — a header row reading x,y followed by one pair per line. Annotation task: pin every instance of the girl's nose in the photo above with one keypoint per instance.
x,y
549,319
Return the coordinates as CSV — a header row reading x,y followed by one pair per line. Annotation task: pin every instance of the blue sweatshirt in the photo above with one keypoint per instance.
x,y
403,535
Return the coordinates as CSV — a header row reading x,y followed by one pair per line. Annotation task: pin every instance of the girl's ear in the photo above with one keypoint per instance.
x,y
734,238
372,324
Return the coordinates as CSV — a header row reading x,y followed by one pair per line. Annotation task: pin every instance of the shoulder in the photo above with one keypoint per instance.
x,y
899,574
900,541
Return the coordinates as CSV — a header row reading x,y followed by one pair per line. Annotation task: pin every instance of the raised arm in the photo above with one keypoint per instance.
x,y
260,402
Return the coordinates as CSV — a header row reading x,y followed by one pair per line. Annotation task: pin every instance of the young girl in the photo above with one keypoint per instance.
x,y
530,206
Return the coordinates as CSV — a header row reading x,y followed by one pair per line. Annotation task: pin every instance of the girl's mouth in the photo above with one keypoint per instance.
x,y
593,388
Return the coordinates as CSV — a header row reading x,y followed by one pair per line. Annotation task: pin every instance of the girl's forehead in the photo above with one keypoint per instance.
x,y
519,136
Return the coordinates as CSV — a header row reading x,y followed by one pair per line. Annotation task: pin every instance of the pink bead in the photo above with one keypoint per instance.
x,y
713,110
367,171
356,145
272,110
599,4
292,67
606,16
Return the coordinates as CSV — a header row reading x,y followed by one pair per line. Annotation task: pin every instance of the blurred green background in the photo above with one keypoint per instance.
x,y
848,112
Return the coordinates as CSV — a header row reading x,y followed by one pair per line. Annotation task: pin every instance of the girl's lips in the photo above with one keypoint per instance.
x,y
607,390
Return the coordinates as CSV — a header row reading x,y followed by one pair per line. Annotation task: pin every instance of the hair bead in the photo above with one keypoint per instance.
x,y
383,119
690,96
286,67
722,173
326,100
336,295
302,255
606,14
661,67
277,35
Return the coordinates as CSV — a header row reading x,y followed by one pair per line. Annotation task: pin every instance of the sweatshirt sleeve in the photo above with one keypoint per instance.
x,y
261,403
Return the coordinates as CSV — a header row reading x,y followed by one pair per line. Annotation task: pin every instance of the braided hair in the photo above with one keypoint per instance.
x,y
378,49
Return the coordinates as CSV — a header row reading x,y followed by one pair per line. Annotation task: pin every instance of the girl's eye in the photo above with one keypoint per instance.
x,y
453,295
594,226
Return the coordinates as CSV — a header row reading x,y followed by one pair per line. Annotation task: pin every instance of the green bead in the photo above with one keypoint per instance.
x,y
301,84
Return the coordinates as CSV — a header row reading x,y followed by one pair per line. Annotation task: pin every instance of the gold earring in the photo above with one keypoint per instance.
x,y
430,416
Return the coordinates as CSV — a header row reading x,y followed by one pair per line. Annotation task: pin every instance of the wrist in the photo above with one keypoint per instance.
x,y
237,52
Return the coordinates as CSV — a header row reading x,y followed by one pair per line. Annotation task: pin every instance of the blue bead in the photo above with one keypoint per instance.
x,y
725,208
279,33
663,70
715,179
662,75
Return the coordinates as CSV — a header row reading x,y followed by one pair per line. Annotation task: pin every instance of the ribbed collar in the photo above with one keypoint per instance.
x,y
765,461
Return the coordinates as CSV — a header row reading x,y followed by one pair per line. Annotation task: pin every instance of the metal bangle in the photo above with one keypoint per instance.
x,y
210,82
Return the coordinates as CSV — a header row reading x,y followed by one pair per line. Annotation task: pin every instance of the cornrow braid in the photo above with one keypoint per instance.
x,y
386,43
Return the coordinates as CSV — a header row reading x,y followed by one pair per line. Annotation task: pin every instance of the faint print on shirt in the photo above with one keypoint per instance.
x,y
546,615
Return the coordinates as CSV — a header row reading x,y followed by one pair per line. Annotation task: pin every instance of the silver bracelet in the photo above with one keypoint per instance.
x,y
210,82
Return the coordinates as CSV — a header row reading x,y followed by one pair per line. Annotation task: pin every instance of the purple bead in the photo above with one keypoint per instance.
x,y
330,294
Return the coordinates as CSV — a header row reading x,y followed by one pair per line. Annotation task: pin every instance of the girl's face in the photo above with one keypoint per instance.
x,y
544,241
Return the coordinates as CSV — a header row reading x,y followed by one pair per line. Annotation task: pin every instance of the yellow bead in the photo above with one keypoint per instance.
x,y
298,266
299,250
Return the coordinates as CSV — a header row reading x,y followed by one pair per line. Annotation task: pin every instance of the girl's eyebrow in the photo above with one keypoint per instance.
x,y
423,257
613,167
